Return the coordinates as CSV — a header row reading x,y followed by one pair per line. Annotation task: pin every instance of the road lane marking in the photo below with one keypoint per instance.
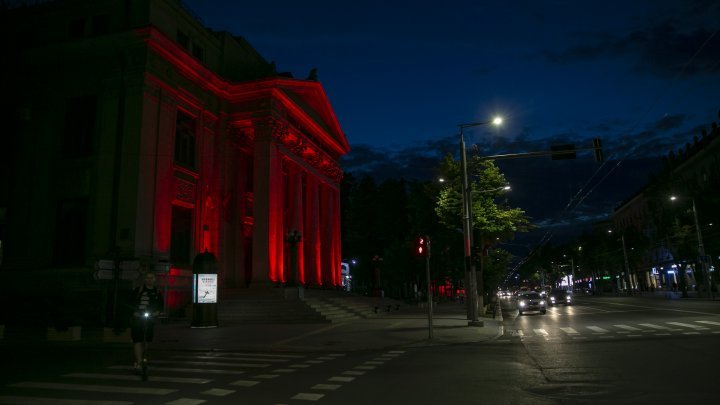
x,y
341,379
597,329
653,326
126,377
305,396
541,332
365,367
94,388
687,325
628,327
218,392
570,331
691,333
709,322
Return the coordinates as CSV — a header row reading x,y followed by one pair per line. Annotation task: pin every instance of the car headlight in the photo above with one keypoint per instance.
x,y
552,299
568,298
521,303
542,303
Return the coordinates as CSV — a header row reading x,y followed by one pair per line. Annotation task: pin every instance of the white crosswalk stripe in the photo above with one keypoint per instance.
x,y
709,322
570,331
628,327
597,329
653,326
687,325
541,332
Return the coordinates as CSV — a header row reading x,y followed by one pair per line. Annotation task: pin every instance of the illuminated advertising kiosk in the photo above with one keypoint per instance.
x,y
204,291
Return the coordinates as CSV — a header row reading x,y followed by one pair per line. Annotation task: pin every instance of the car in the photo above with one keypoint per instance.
x,y
558,296
531,301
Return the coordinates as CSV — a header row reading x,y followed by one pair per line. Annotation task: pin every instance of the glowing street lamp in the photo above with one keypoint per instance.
x,y
467,223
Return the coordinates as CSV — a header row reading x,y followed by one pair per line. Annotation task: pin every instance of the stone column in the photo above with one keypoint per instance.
x,y
268,238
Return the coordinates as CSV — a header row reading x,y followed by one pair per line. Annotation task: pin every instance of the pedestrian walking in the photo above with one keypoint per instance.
x,y
147,299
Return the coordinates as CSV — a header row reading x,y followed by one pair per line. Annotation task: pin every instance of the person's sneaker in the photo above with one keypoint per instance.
x,y
136,367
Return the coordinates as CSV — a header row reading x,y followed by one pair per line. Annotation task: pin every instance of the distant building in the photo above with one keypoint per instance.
x,y
131,130
695,169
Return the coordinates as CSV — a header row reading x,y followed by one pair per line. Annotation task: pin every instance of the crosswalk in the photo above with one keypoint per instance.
x,y
197,378
694,327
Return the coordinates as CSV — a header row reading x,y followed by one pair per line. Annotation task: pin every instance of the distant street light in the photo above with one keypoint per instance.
x,y
627,265
467,224
703,259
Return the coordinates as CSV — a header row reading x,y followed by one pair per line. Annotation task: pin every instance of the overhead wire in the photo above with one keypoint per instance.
x,y
579,197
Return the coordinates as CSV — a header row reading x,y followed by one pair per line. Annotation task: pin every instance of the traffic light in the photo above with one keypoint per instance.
x,y
597,145
421,246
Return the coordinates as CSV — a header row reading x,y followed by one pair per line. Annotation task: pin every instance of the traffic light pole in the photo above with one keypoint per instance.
x,y
429,291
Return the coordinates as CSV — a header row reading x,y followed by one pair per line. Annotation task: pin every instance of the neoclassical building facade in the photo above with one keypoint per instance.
x,y
138,132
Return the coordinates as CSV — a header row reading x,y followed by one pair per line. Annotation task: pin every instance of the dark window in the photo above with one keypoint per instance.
x,y
76,29
101,24
183,39
180,235
198,52
185,140
80,113
70,232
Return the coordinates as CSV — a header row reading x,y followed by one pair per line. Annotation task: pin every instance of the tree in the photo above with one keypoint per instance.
x,y
493,219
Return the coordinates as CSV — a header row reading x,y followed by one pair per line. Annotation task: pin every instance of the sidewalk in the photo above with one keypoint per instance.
x,y
407,327
403,328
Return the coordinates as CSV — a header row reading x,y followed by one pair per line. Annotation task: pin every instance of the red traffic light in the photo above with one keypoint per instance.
x,y
421,246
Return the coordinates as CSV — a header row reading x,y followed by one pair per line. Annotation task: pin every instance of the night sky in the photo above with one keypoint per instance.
x,y
642,75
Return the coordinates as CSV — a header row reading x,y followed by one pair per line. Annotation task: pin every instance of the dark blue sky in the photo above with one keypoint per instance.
x,y
643,75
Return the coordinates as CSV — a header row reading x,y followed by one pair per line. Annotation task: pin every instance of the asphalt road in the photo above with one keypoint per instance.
x,y
616,350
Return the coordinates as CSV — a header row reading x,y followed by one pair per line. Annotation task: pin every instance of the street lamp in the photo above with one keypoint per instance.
x,y
701,248
627,265
467,224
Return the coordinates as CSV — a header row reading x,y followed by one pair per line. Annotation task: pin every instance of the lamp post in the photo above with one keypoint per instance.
x,y
626,263
467,225
701,249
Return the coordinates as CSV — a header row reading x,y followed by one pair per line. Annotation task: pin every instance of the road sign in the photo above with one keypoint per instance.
x,y
106,264
104,274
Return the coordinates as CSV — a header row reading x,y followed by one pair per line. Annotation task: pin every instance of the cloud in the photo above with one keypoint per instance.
x,y
686,44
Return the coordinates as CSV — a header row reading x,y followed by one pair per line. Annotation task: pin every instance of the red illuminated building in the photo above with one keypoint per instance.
x,y
134,130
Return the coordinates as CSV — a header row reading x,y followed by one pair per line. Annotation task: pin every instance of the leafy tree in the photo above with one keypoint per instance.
x,y
493,219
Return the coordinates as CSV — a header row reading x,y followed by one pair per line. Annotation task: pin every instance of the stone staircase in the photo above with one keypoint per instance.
x,y
282,305
264,305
